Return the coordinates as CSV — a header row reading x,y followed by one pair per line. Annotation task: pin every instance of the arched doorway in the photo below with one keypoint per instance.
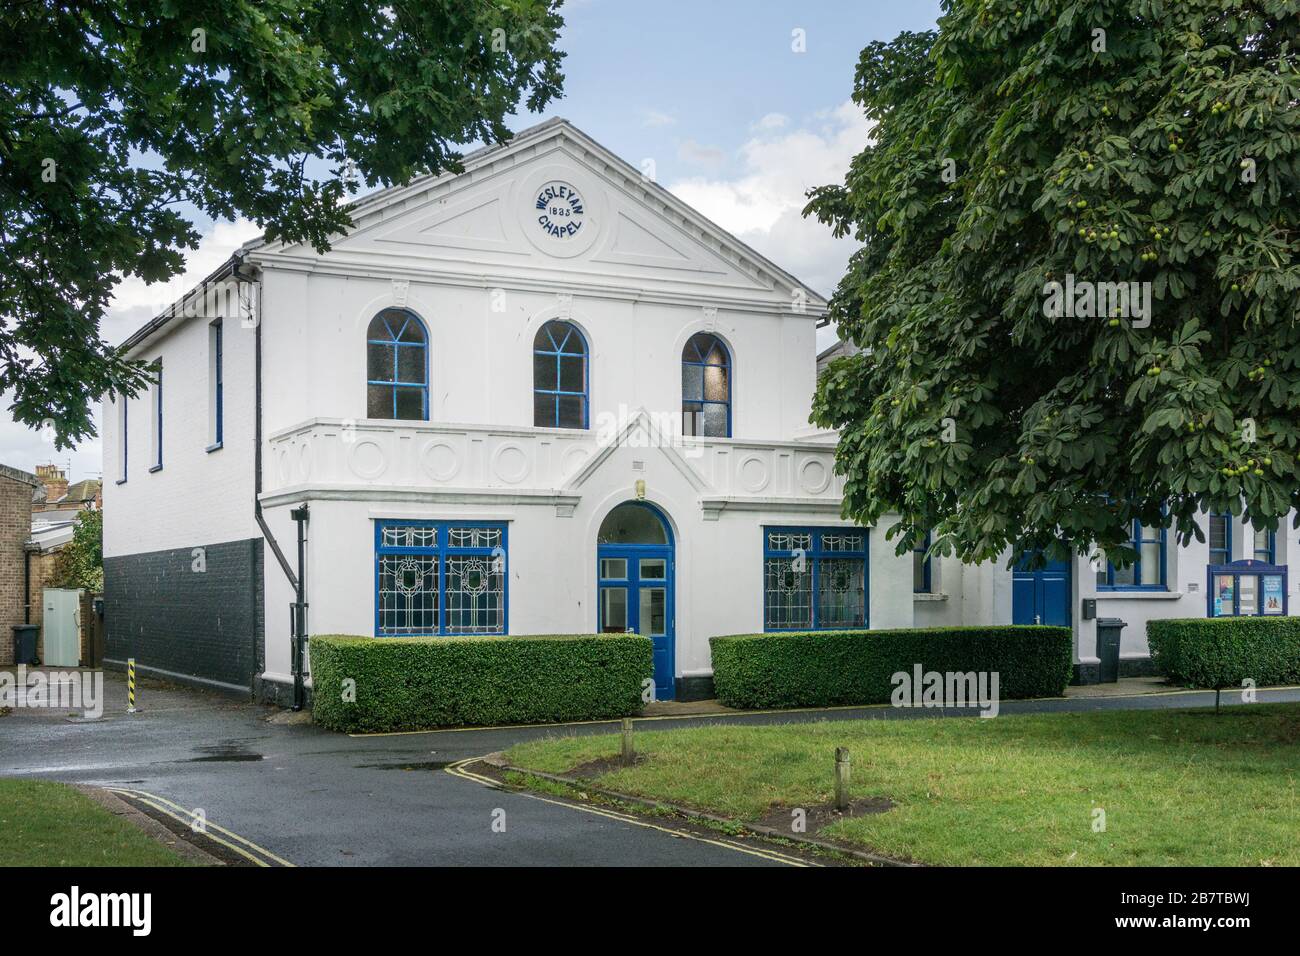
x,y
634,583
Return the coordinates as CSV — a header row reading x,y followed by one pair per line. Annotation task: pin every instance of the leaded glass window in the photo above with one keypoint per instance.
x,y
436,577
408,594
475,594
814,579
706,387
397,367
560,376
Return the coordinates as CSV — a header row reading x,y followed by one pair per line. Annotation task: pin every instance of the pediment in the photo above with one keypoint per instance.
x,y
555,207
641,431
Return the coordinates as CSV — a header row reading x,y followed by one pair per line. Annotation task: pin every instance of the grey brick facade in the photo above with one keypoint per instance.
x,y
205,627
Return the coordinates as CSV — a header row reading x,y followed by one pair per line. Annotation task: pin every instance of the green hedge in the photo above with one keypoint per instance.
x,y
1222,652
826,668
416,683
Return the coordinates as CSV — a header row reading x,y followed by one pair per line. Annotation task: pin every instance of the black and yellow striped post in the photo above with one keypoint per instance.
x,y
130,685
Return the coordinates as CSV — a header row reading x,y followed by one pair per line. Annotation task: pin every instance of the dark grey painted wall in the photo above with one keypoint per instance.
x,y
207,626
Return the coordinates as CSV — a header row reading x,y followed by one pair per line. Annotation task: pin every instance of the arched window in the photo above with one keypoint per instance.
x,y
397,367
559,376
706,387
633,523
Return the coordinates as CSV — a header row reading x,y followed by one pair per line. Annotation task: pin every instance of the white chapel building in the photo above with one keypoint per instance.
x,y
541,396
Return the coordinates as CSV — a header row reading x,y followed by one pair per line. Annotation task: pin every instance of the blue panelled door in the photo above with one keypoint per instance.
x,y
1042,596
635,595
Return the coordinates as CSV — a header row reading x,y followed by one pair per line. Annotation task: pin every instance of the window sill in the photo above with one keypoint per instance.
x,y
929,596
155,468
217,447
1139,595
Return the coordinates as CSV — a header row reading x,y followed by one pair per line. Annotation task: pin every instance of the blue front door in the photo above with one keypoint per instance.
x,y
635,589
634,582
1042,596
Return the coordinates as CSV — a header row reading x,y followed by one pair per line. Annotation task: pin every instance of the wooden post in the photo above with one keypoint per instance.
x,y
842,767
629,754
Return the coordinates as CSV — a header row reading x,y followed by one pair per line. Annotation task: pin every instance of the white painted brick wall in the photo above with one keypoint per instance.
x,y
197,497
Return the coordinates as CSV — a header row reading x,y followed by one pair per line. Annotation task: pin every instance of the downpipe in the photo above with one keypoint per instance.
x,y
300,515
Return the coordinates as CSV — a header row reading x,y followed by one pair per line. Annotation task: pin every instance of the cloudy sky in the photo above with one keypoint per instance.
x,y
737,122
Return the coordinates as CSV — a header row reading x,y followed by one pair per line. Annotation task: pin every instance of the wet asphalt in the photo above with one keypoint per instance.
x,y
317,798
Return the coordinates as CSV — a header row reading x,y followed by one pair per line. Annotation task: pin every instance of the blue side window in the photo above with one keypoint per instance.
x,y
158,421
1265,546
706,387
814,579
1147,572
439,577
397,367
122,424
1220,538
218,390
921,582
560,377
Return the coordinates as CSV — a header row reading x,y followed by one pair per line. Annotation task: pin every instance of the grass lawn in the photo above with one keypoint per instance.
x,y
51,824
1178,787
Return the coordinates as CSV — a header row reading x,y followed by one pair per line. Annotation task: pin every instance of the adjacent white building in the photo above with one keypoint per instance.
x,y
540,396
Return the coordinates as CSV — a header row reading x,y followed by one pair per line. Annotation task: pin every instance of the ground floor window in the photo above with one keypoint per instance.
x,y
814,578
921,568
439,577
1220,538
1147,572
1265,546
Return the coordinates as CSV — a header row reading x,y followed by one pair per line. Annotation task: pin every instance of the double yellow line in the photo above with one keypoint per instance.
x,y
259,855
458,769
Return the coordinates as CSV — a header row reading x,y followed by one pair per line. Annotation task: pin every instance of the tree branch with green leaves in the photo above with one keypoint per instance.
x,y
1093,156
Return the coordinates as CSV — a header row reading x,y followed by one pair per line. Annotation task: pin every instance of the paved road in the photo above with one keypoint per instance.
x,y
319,798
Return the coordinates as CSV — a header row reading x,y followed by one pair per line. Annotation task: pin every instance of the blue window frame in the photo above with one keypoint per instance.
x,y
560,377
122,430
706,387
814,578
1265,546
397,367
440,577
216,345
1147,573
1220,538
158,422
921,582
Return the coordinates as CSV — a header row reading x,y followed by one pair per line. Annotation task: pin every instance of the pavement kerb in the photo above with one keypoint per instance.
x,y
151,827
498,761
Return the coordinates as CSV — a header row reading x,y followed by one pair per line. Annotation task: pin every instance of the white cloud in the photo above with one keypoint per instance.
x,y
763,205
772,121
654,118
134,304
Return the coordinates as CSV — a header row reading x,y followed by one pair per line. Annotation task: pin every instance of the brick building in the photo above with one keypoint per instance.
x,y
55,494
16,491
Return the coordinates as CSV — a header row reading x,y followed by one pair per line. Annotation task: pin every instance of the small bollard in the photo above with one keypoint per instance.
x,y
130,685
842,767
629,754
